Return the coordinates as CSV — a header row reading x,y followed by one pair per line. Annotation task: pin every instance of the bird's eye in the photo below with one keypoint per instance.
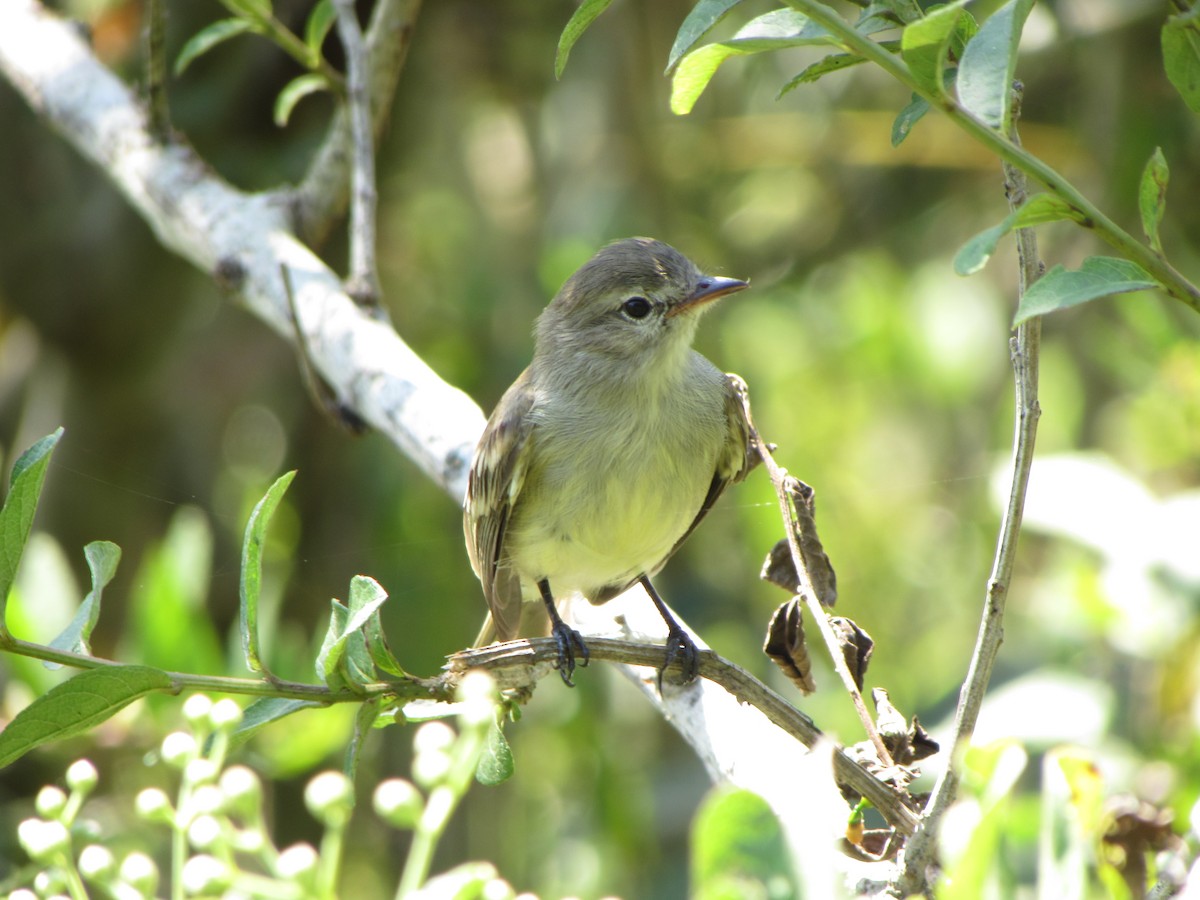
x,y
636,307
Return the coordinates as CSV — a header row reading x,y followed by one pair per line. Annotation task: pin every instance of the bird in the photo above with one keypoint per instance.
x,y
607,451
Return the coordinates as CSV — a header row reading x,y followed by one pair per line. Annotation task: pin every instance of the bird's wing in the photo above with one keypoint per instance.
x,y
737,458
497,474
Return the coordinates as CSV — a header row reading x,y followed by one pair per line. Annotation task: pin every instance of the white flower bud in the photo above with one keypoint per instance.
x,y
153,805
297,861
82,776
196,709
226,715
330,798
205,874
96,863
43,840
139,872
178,748
398,802
50,802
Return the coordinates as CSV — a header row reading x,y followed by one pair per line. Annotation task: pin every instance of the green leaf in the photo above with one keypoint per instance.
x,y
329,658
1037,210
250,584
496,761
366,597
207,38
738,848
264,711
76,705
696,24
773,31
364,721
833,63
295,91
317,28
16,516
251,9
1181,56
985,75
584,16
102,559
925,45
907,118
1099,276
1152,196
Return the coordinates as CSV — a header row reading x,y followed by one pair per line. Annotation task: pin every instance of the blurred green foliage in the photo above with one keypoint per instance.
x,y
882,376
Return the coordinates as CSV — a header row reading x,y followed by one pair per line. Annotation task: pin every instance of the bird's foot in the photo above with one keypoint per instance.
x,y
570,644
680,646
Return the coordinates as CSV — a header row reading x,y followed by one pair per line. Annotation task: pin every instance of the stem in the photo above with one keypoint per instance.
x,y
1024,352
807,589
1011,153
187,681
363,284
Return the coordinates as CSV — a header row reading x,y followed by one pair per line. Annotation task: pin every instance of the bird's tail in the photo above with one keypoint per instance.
x,y
488,633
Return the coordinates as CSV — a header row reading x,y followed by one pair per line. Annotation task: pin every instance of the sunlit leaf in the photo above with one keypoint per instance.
x,y
317,28
1152,196
77,705
295,91
1037,210
207,38
16,516
774,31
250,584
1099,276
584,16
925,43
1181,56
102,559
738,848
264,711
696,24
985,74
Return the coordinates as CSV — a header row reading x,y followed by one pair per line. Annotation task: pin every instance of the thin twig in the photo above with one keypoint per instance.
x,y
808,591
363,283
156,71
321,197
918,855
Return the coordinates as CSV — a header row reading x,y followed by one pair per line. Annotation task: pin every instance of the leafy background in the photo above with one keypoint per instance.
x,y
882,376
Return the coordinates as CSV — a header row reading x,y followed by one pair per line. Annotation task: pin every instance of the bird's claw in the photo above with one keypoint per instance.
x,y
680,646
569,643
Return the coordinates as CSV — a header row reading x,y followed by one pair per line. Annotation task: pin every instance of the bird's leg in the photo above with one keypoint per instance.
x,y
568,640
679,642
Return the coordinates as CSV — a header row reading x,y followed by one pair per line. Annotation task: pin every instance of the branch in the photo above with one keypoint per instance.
x,y
320,199
243,240
1010,152
363,282
919,854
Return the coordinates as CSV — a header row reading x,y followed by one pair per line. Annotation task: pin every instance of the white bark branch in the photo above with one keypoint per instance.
x,y
243,240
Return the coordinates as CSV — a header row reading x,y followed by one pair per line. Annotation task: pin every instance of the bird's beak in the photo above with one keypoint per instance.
x,y
708,289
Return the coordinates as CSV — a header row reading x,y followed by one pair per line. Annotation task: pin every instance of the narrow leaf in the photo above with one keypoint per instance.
x,y
1037,210
1099,276
16,516
264,711
584,16
1152,196
833,63
102,559
907,118
696,24
377,646
364,721
207,38
989,62
496,761
773,31
1181,57
330,656
317,28
253,9
925,44
77,705
250,585
295,91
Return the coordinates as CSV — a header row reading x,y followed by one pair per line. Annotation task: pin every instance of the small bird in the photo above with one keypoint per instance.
x,y
607,451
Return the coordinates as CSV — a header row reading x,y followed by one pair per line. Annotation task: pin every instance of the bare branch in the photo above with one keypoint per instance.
x,y
919,854
363,282
320,199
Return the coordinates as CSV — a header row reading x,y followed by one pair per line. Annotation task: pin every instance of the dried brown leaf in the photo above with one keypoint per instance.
x,y
786,648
